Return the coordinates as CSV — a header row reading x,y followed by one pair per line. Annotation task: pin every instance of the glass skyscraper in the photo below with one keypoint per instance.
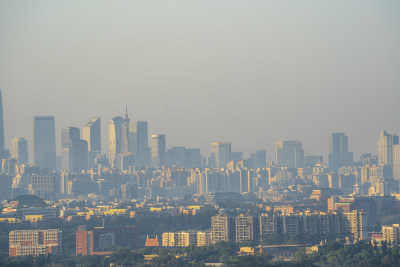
x,y
44,142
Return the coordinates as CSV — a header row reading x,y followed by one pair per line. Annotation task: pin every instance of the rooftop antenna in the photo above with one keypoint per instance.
x,y
126,111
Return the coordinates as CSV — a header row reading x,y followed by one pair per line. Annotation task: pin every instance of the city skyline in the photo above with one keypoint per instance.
x,y
199,133
282,72
105,141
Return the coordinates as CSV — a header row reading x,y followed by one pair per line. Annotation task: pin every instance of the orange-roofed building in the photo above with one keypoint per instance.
x,y
152,242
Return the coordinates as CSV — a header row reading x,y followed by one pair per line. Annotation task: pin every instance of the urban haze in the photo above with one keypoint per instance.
x,y
249,73
261,131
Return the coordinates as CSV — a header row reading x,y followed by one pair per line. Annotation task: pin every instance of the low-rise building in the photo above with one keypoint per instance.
x,y
35,242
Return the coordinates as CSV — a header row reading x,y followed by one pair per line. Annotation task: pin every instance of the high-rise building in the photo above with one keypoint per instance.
x,y
19,150
176,156
125,148
237,156
396,162
6,182
357,224
259,159
139,142
114,137
244,228
158,150
220,154
43,186
246,181
44,142
339,154
385,148
91,133
192,158
391,234
222,228
35,242
68,135
123,161
268,227
289,154
74,150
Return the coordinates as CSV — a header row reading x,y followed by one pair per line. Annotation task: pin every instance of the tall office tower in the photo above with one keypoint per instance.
x,y
259,159
91,133
44,142
114,137
385,148
139,142
19,150
237,156
74,150
158,150
289,154
396,162
220,154
339,154
245,228
222,228
68,135
125,148
176,156
192,158
80,157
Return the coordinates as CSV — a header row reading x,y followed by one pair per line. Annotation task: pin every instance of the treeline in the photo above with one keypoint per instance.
x,y
360,254
331,254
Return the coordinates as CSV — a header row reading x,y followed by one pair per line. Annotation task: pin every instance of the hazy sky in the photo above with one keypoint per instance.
x,y
248,72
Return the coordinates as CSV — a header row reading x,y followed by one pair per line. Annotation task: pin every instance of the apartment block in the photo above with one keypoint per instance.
x,y
35,242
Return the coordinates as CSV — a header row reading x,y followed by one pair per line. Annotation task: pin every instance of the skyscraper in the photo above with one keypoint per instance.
x,y
44,142
259,159
339,154
69,134
385,148
220,154
176,156
289,154
125,134
19,150
192,158
91,133
158,150
114,137
139,142
74,150
396,162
